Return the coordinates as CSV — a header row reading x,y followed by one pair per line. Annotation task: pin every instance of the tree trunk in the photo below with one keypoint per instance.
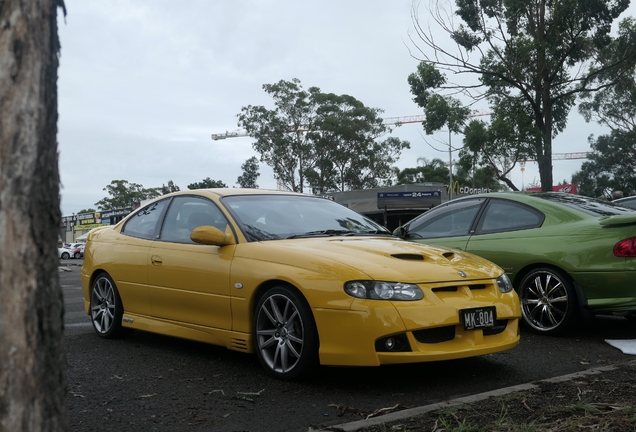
x,y
32,353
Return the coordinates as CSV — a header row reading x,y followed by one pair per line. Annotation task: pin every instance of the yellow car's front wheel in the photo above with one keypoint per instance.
x,y
106,307
285,334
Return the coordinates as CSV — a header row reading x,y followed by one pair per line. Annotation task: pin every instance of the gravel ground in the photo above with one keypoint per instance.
x,y
602,399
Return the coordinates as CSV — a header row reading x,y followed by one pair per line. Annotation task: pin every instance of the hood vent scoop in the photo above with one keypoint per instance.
x,y
448,255
408,256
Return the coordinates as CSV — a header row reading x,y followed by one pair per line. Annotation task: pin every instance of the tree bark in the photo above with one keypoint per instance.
x,y
32,354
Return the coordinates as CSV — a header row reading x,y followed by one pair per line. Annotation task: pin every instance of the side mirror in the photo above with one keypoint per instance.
x,y
400,232
209,235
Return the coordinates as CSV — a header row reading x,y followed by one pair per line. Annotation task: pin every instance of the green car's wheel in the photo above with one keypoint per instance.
x,y
106,307
285,333
548,301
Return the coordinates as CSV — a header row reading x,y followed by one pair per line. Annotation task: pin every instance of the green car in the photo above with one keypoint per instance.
x,y
568,256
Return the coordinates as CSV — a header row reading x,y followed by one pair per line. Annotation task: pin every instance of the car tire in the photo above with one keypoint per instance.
x,y
65,255
77,255
548,301
285,335
106,308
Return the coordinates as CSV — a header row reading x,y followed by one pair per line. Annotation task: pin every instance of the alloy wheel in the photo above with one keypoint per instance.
x,y
547,301
280,333
104,305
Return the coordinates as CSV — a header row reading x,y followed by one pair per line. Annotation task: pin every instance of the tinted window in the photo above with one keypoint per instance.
x,y
626,202
503,215
454,219
143,223
272,217
187,213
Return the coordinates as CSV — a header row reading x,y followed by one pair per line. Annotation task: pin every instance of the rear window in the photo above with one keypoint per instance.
x,y
590,206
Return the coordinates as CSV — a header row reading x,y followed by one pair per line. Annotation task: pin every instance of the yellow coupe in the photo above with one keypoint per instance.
x,y
298,279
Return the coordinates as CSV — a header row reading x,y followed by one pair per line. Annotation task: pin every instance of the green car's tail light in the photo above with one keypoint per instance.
x,y
378,290
625,248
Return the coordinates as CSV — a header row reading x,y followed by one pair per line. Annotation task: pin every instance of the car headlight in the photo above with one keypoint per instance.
x,y
379,290
504,283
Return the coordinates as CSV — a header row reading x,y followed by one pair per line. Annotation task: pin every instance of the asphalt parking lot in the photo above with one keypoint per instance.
x,y
152,382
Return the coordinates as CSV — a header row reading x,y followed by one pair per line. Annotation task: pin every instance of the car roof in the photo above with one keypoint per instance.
x,y
629,198
224,192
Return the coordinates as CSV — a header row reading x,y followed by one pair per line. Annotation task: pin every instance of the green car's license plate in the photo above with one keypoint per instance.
x,y
478,318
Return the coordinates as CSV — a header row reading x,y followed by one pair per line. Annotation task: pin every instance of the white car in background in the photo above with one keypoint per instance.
x,y
64,253
71,250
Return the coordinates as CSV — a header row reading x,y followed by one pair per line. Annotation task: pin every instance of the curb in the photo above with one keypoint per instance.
x,y
413,412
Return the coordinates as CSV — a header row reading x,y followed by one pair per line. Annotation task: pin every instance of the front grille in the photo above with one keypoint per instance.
x,y
455,288
499,327
435,335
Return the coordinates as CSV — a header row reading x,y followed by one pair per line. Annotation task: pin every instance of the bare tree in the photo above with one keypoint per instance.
x,y
32,354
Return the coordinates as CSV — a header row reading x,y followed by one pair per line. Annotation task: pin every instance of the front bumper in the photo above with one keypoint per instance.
x,y
433,331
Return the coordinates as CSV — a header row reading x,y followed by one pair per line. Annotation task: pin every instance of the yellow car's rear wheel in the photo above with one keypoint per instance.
x,y
285,334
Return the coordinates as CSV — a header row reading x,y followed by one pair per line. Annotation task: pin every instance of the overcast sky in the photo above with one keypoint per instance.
x,y
143,85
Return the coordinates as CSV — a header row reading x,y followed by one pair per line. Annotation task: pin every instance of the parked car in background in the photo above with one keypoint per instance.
x,y
626,202
567,255
78,252
64,253
297,279
71,250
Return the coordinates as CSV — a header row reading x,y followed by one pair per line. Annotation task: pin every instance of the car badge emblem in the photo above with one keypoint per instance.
x,y
461,273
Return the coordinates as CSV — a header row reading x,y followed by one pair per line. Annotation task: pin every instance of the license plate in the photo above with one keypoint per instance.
x,y
478,318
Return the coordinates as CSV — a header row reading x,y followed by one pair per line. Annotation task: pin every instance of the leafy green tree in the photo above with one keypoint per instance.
x,y
250,174
169,188
434,170
610,166
281,138
125,194
615,105
88,210
324,141
498,146
207,183
535,54
440,110
345,152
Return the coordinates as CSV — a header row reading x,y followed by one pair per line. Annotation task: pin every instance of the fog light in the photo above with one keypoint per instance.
x,y
389,344
395,343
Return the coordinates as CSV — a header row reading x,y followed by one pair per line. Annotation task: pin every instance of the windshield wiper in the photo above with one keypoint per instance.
x,y
378,232
329,233
258,234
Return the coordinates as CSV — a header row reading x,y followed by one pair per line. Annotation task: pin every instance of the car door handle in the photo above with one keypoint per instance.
x,y
156,260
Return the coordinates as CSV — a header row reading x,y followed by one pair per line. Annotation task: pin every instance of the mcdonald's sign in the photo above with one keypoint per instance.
x,y
456,189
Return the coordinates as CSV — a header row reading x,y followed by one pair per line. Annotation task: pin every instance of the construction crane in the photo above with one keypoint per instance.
x,y
564,156
396,121
388,121
238,133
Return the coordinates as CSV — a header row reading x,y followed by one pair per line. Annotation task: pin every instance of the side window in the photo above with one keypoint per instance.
x,y
143,223
187,213
502,215
454,219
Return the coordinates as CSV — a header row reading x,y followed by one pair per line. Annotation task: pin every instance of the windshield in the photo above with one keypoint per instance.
x,y
273,217
591,206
